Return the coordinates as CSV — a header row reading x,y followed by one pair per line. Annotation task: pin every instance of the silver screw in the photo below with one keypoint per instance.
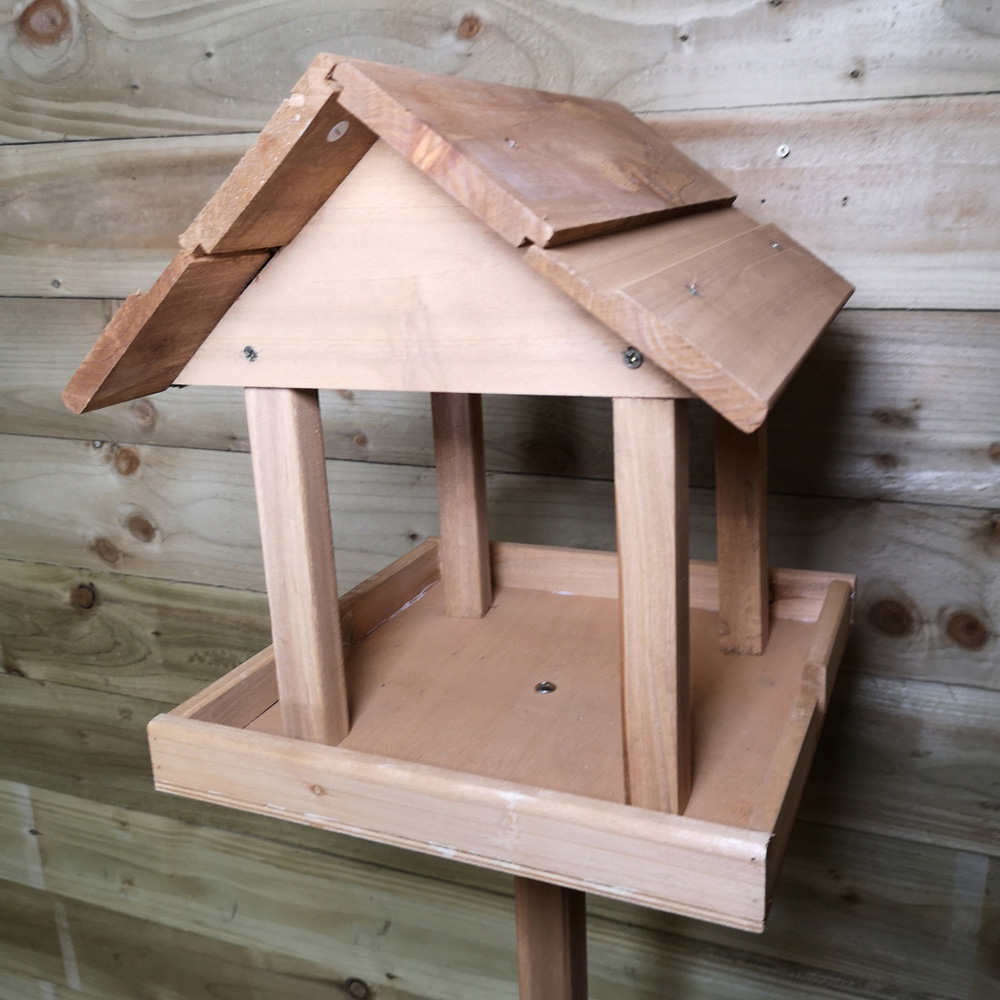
x,y
337,131
775,246
249,353
783,150
692,288
632,357
545,687
357,988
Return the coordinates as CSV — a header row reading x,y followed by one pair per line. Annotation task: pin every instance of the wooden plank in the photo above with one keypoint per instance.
x,y
821,666
885,375
835,882
377,599
685,865
461,487
651,514
534,166
155,333
239,697
72,502
310,144
732,321
120,956
551,941
286,441
132,197
476,316
741,530
665,59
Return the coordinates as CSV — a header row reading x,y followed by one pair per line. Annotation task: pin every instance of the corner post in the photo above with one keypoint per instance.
x,y
286,445
741,530
461,485
551,941
651,505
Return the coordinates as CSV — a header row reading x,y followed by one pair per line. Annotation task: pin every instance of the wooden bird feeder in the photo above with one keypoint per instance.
x,y
630,724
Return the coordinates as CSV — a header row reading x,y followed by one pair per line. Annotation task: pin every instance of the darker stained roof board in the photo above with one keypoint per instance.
x,y
615,216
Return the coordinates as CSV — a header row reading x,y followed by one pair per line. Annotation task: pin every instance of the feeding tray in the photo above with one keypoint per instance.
x,y
454,751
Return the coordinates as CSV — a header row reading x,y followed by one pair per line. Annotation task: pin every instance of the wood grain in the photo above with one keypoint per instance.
x,y
475,318
198,68
309,145
73,500
731,319
741,537
286,442
129,199
154,334
461,489
551,941
869,415
922,909
534,166
651,516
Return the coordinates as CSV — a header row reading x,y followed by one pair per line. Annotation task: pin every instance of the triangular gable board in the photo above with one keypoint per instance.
x,y
394,285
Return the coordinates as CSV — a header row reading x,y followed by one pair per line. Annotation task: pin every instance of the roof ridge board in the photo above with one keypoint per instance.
x,y
533,165
306,149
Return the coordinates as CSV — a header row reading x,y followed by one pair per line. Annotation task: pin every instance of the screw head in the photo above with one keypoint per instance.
x,y
337,131
776,246
357,988
783,150
632,357
545,687
249,353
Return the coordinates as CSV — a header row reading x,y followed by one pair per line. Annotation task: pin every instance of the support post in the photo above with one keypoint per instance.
x,y
551,941
741,530
286,445
461,485
651,504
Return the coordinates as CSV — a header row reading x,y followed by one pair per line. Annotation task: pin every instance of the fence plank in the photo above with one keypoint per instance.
x,y
110,72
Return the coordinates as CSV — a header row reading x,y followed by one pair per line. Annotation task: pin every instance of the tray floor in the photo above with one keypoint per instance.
x,y
460,694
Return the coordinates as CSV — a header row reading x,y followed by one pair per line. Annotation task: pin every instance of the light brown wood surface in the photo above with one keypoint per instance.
x,y
731,317
741,537
153,335
286,443
651,515
423,297
551,941
309,145
461,489
535,167
224,67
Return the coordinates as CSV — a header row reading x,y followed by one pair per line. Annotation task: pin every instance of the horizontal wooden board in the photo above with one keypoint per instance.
x,y
77,951
927,592
908,217
868,911
871,414
906,758
225,66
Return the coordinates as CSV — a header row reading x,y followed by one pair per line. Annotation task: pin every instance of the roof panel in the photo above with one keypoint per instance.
x,y
538,167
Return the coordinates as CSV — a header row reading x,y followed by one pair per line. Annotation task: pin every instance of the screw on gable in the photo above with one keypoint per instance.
x,y
632,357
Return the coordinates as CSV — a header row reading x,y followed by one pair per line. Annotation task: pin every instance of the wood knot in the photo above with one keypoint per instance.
x,y
83,595
994,451
143,413
965,629
127,461
469,26
141,528
891,617
107,551
44,22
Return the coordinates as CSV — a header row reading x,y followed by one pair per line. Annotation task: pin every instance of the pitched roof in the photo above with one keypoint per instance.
x,y
727,307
